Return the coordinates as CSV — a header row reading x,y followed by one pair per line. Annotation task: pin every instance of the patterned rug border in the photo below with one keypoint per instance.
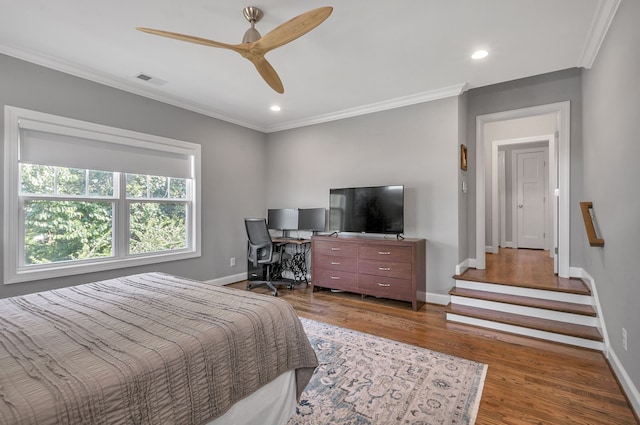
x,y
476,395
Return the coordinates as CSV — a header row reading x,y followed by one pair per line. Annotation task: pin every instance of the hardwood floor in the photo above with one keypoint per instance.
x,y
528,268
528,381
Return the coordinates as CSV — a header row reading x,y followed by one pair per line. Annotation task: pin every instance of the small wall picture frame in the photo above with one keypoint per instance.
x,y
463,157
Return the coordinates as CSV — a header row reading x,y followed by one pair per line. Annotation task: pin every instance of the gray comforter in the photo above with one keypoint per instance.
x,y
143,349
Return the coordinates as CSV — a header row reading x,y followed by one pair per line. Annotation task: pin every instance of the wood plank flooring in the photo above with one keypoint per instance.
x,y
529,381
527,268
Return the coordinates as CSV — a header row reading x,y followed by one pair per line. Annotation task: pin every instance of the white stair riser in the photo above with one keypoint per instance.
x,y
549,336
526,311
525,292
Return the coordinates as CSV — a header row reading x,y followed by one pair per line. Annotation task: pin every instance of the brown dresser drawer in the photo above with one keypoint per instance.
x,y
340,249
332,262
387,287
335,279
385,252
385,268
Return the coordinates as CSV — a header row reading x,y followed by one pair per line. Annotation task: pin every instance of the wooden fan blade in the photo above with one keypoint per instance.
x,y
267,72
240,48
293,29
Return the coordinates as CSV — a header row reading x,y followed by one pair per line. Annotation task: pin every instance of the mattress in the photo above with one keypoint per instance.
x,y
143,349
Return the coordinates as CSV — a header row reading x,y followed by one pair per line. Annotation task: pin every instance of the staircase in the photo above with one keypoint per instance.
x,y
562,313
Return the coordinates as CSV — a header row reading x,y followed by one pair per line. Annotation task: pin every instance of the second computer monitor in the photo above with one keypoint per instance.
x,y
311,219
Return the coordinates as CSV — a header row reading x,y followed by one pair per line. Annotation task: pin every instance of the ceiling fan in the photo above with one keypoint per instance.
x,y
254,46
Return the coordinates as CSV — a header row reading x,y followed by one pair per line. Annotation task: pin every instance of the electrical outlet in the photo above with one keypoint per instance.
x,y
624,339
232,262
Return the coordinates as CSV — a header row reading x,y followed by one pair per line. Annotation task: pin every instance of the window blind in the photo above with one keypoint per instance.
x,y
51,144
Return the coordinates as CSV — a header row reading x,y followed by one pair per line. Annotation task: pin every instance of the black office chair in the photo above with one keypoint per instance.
x,y
262,251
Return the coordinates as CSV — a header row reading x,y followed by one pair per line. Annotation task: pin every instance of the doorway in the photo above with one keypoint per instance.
x,y
558,163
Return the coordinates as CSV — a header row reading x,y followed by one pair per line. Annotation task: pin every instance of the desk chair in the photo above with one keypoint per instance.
x,y
262,251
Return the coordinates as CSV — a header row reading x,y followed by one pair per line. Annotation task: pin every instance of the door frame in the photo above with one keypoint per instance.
x,y
562,111
547,203
497,196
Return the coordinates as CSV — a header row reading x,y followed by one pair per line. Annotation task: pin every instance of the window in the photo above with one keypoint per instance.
x,y
80,197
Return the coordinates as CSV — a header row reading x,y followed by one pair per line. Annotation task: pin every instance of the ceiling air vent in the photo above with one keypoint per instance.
x,y
151,79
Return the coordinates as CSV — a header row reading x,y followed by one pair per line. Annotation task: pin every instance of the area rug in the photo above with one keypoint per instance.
x,y
365,379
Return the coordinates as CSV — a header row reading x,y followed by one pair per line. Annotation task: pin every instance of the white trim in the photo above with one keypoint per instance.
x,y
590,282
133,86
428,96
533,333
629,388
497,168
502,201
602,19
525,292
226,280
463,266
562,112
438,298
14,272
540,313
515,232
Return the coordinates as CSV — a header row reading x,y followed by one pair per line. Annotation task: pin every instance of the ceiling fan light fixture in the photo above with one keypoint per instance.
x,y
251,35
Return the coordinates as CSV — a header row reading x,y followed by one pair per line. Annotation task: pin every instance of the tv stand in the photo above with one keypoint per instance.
x,y
378,267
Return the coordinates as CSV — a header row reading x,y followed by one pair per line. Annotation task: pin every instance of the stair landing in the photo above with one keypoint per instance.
x,y
519,293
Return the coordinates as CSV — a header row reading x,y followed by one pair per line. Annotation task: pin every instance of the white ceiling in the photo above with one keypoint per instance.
x,y
368,55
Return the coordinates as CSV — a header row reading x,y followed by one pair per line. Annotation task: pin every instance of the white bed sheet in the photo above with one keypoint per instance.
x,y
273,404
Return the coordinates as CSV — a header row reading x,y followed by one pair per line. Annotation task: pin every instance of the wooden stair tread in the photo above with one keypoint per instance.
x,y
568,329
556,284
562,306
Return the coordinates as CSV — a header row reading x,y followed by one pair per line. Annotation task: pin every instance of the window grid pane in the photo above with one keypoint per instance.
x,y
57,231
157,226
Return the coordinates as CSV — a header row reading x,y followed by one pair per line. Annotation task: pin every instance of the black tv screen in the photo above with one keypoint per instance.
x,y
378,209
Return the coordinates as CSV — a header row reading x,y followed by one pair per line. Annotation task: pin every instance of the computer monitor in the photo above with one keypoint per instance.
x,y
312,219
282,219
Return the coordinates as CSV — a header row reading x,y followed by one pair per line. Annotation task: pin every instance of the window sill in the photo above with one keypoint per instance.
x,y
69,269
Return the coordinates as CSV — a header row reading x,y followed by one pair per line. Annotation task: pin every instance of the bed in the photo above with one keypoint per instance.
x,y
147,349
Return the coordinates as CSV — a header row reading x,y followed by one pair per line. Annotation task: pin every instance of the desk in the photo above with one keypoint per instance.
x,y
297,264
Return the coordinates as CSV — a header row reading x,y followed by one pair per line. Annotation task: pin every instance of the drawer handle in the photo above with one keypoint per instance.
x,y
335,277
335,249
384,252
386,285
335,263
385,269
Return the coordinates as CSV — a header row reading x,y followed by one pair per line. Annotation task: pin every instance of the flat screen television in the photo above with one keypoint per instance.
x,y
377,209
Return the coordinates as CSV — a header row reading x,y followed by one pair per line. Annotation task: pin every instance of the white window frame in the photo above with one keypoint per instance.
x,y
14,226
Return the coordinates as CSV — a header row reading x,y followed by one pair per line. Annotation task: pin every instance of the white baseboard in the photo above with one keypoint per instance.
x,y
623,377
225,280
438,298
508,244
488,248
627,384
468,263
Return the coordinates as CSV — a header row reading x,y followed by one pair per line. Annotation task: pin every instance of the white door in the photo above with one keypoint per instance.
x,y
530,200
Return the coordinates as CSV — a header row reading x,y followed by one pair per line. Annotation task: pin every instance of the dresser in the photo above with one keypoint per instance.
x,y
379,267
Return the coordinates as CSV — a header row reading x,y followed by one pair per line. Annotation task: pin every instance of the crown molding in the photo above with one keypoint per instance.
x,y
130,87
428,96
602,19
91,75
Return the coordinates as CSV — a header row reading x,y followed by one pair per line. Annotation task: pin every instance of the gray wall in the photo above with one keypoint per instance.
x,y
611,177
233,167
524,93
416,146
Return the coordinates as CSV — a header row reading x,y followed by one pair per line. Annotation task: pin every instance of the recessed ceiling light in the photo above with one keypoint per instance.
x,y
479,54
275,108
